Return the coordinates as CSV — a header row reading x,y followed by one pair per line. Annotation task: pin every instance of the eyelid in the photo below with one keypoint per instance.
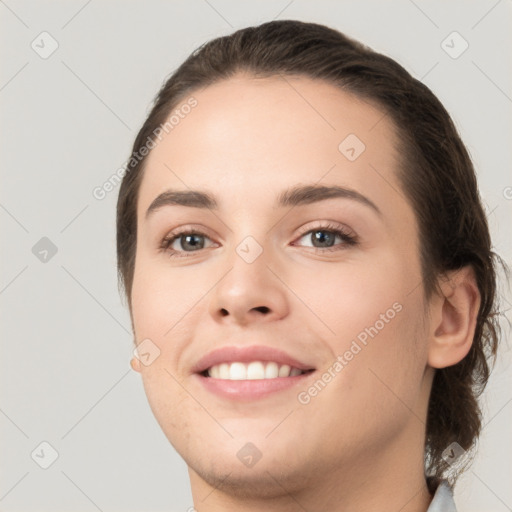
x,y
174,234
188,228
327,225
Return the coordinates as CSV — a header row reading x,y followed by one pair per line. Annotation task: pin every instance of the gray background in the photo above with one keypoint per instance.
x,y
67,124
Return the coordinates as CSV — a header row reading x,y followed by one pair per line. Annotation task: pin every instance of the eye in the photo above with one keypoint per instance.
x,y
323,238
185,241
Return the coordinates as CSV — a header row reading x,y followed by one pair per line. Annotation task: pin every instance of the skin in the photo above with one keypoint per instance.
x,y
358,444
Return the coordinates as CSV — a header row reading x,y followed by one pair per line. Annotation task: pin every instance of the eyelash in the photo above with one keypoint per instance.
x,y
348,239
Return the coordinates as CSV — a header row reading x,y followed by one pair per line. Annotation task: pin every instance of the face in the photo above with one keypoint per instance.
x,y
271,273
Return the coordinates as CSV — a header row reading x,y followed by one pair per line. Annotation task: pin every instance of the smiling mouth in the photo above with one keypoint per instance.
x,y
254,370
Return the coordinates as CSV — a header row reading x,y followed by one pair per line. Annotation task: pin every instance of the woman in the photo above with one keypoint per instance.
x,y
309,274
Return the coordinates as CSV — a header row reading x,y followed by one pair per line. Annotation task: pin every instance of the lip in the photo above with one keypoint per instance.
x,y
248,390
262,353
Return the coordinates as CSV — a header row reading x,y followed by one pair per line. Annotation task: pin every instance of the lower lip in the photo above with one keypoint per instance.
x,y
251,389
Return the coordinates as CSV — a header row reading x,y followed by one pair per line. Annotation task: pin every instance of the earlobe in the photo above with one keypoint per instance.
x,y
135,364
454,318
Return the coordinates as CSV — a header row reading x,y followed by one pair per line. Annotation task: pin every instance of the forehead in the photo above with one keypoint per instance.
x,y
253,135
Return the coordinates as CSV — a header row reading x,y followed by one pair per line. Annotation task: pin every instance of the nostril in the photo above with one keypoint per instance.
x,y
263,309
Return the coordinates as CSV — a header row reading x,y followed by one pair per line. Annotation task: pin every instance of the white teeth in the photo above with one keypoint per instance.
x,y
237,371
223,371
255,370
284,371
271,370
215,372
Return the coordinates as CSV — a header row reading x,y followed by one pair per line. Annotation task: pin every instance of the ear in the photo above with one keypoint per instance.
x,y
453,318
135,364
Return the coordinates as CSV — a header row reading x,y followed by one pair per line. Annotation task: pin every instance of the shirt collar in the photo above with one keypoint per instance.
x,y
443,499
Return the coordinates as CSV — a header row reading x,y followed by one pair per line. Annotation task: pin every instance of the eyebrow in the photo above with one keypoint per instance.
x,y
295,196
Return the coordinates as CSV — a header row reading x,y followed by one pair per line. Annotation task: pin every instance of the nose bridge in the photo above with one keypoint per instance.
x,y
249,290
250,243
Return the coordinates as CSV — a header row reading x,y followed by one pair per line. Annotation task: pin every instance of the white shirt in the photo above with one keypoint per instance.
x,y
443,499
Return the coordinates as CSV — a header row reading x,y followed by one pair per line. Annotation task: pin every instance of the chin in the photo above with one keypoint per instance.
x,y
264,480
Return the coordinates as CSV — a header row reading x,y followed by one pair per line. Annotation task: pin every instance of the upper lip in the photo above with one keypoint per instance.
x,y
233,354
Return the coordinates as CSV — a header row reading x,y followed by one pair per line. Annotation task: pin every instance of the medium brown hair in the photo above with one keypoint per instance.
x,y
436,174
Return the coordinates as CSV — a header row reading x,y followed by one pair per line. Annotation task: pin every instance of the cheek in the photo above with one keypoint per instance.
x,y
159,310
349,297
384,362
370,315
162,308
375,389
164,300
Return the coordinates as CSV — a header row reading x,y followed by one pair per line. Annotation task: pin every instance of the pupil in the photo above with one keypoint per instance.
x,y
321,237
191,244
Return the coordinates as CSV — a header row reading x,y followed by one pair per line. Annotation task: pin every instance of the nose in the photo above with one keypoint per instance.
x,y
249,293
